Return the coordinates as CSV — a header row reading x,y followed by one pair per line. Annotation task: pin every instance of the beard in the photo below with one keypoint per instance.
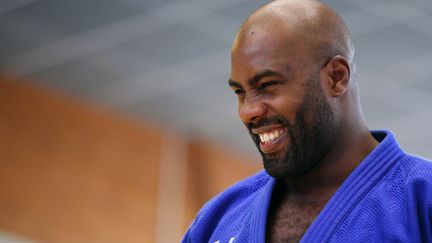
x,y
310,136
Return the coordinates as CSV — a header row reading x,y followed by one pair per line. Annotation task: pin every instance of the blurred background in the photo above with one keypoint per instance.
x,y
117,123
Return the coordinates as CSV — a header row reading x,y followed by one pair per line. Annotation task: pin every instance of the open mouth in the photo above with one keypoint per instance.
x,y
272,138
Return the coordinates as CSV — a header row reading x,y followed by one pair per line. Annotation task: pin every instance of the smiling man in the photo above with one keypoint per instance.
x,y
327,177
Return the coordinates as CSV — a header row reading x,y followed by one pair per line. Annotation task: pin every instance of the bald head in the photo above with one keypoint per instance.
x,y
308,26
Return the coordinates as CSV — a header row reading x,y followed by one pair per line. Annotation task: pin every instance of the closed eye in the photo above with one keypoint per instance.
x,y
239,91
265,85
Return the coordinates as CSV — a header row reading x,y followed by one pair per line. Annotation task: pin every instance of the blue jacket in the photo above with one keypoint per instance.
x,y
387,198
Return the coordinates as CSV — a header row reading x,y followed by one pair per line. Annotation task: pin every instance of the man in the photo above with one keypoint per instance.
x,y
327,178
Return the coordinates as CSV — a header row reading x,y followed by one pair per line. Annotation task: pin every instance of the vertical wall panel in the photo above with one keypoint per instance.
x,y
71,174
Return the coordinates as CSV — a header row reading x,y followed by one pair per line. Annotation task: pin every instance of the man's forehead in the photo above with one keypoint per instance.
x,y
261,49
263,41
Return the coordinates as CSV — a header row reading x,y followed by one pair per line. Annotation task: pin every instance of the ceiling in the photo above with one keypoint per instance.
x,y
168,61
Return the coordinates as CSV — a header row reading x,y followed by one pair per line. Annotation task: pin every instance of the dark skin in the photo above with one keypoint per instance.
x,y
287,64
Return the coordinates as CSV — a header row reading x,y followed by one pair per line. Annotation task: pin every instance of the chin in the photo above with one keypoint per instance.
x,y
287,167
279,169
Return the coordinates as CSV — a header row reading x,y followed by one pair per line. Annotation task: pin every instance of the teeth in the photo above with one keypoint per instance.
x,y
270,136
266,137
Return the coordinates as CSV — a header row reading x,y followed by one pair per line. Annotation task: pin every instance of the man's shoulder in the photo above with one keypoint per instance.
x,y
407,173
409,182
417,168
418,179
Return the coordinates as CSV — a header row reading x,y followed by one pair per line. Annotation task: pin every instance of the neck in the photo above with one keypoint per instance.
x,y
354,143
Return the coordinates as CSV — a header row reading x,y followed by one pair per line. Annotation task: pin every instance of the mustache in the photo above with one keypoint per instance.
x,y
268,121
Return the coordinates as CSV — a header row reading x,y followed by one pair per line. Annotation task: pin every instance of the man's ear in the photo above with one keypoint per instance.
x,y
336,76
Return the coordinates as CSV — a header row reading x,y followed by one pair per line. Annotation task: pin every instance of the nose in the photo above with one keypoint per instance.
x,y
251,109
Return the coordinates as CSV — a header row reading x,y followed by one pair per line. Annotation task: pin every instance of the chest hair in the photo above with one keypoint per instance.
x,y
288,219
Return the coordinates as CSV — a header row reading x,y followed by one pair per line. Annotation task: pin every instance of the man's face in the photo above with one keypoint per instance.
x,y
282,104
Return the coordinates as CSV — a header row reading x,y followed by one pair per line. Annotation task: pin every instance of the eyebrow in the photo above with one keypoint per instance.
x,y
255,79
